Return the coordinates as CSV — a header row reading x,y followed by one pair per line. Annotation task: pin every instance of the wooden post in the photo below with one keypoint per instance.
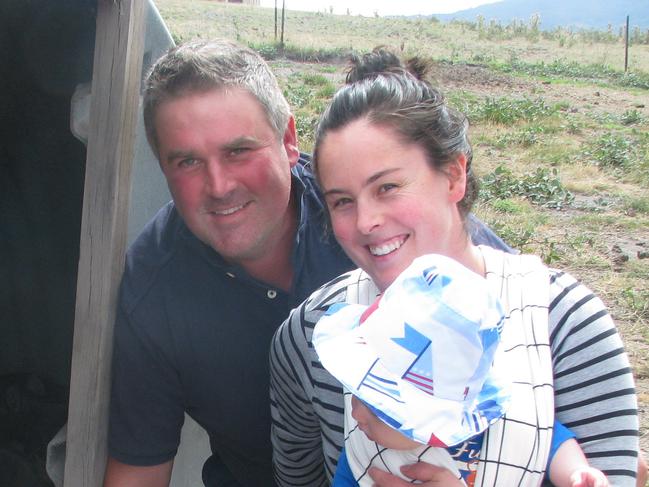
x,y
626,45
113,120
281,43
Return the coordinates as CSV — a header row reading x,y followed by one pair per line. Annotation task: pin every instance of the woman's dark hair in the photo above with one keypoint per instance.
x,y
390,93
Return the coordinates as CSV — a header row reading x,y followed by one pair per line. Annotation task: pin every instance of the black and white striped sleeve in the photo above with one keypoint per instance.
x,y
594,389
306,401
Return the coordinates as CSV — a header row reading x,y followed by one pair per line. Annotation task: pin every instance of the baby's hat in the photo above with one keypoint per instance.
x,y
421,355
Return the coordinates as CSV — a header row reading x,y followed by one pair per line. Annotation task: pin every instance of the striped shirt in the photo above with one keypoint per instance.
x,y
593,387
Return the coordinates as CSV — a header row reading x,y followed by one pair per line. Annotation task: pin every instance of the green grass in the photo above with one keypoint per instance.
x,y
573,70
637,204
504,110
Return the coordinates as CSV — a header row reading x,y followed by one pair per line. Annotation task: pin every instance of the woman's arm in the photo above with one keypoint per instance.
x,y
295,433
594,390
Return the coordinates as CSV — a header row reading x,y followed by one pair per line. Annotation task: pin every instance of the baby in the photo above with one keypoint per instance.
x,y
423,380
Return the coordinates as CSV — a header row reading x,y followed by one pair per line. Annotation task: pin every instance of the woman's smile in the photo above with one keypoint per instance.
x,y
388,247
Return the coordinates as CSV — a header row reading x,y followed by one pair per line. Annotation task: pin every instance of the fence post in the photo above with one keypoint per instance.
x,y
281,43
626,45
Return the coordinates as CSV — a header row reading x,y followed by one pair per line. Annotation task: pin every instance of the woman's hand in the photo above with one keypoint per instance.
x,y
431,475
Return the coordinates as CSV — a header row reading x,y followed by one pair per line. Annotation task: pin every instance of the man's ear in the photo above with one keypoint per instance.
x,y
456,172
290,142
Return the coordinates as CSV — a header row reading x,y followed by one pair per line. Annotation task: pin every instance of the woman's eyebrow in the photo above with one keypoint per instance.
x,y
373,178
379,175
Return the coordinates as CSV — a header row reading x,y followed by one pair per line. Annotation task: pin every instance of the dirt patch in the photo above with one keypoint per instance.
x,y
482,81
476,79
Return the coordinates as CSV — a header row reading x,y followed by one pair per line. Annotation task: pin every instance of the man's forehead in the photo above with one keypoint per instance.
x,y
230,108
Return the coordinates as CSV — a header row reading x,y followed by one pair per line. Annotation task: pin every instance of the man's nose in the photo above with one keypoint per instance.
x,y
218,179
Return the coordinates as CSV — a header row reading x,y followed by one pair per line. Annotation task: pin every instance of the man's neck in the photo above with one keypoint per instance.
x,y
276,266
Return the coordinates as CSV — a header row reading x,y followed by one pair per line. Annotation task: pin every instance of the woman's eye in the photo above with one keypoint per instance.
x,y
387,187
340,202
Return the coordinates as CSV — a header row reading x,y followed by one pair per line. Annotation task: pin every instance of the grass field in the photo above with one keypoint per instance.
x,y
560,132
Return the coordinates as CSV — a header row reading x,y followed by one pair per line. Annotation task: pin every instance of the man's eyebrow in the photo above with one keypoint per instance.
x,y
244,140
374,177
179,154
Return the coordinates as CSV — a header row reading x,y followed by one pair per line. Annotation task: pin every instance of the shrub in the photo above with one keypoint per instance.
x,y
541,188
507,111
631,117
316,79
609,150
517,236
524,138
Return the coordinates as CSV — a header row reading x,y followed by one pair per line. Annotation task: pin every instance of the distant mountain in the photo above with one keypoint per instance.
x,y
578,14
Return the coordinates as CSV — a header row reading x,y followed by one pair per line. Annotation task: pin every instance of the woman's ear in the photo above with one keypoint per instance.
x,y
456,171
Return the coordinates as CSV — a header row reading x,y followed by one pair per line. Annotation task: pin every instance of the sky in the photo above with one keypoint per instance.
x,y
382,7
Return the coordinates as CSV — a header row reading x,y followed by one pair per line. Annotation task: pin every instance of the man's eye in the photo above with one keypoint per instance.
x,y
189,162
238,151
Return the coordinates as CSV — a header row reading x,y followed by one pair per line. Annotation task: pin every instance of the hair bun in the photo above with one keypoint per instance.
x,y
382,60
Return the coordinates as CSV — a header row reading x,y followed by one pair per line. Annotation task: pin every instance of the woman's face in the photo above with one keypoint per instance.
x,y
387,205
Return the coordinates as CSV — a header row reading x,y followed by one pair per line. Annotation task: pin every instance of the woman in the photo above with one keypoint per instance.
x,y
394,163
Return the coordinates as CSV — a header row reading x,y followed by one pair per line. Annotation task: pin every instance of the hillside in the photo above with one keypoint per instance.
x,y
560,133
579,14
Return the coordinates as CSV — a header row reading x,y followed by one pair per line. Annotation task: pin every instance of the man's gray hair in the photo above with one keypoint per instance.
x,y
219,64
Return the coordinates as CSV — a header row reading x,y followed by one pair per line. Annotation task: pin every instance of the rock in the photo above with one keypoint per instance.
x,y
619,256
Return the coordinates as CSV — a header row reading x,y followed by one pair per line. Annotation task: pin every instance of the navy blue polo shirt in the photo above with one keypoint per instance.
x,y
193,333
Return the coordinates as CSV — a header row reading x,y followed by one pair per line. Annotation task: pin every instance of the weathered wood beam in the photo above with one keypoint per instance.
x,y
113,113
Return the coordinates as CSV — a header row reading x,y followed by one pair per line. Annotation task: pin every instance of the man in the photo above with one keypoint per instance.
x,y
216,271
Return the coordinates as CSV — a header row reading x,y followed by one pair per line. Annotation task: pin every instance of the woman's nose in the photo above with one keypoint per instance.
x,y
368,217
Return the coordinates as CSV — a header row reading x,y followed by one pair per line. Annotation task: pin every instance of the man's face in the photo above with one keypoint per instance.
x,y
228,171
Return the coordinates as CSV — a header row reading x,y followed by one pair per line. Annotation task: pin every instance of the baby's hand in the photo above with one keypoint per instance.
x,y
588,477
427,475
